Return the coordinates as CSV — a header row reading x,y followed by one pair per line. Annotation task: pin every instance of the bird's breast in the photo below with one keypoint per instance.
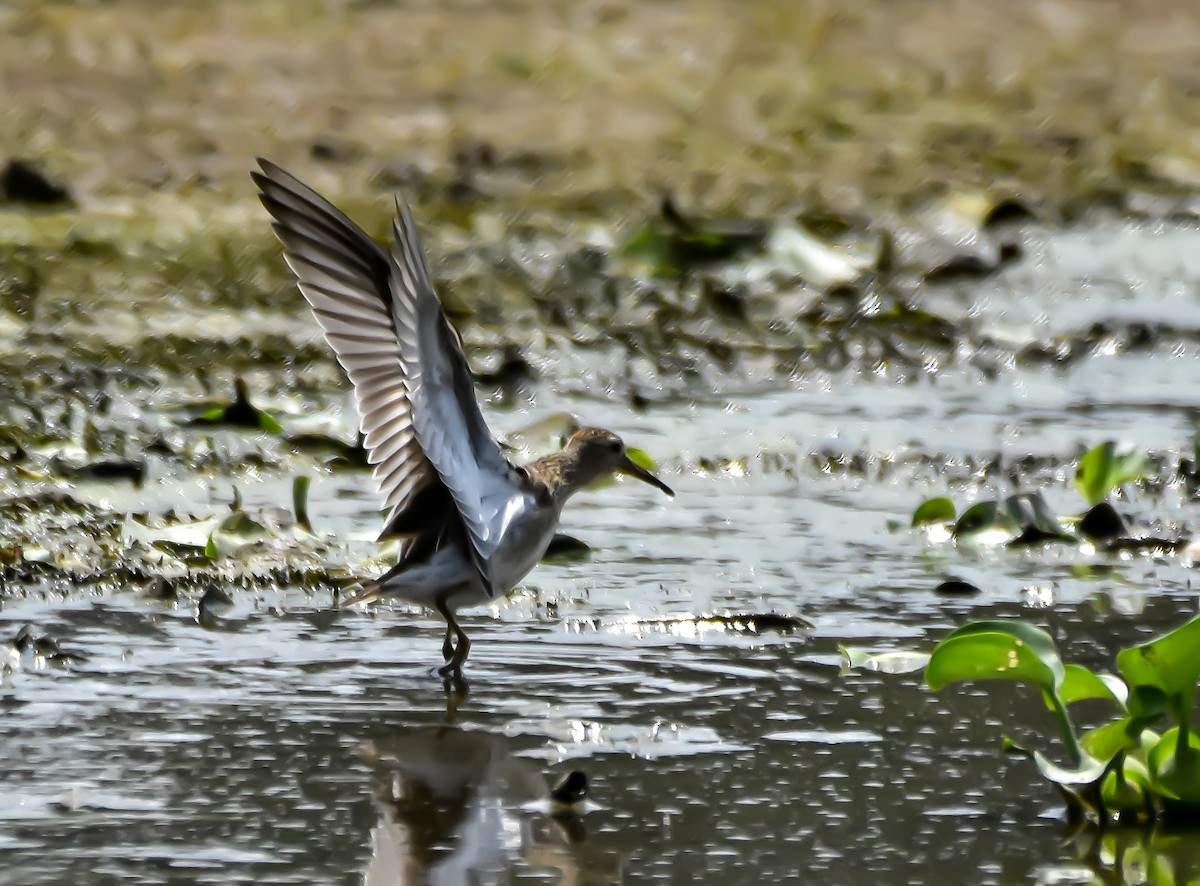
x,y
522,544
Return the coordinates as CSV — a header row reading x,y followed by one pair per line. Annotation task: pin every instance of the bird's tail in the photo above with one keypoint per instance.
x,y
365,591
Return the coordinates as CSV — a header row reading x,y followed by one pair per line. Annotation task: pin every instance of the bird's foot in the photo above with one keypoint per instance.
x,y
457,690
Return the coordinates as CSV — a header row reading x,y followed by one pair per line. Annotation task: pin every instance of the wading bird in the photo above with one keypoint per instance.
x,y
471,524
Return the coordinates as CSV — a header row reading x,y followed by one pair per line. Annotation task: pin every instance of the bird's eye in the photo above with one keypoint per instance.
x,y
614,445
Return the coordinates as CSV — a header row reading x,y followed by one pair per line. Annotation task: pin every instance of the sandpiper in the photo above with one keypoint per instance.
x,y
471,524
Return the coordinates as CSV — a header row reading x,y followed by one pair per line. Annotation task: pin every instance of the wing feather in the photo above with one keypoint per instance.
x,y
435,459
446,416
346,279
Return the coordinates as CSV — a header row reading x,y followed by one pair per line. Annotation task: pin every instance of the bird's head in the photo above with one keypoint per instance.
x,y
600,453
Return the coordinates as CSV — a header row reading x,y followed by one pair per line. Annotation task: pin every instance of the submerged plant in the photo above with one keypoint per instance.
x,y
1119,770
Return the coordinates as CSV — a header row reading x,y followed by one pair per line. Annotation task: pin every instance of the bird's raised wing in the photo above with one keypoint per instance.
x,y
449,426
422,425
345,277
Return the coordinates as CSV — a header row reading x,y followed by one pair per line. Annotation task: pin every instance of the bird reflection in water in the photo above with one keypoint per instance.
x,y
457,806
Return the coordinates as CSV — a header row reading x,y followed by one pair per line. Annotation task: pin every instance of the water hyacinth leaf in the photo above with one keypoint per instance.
x,y
934,510
192,534
1080,683
997,650
1173,766
1103,469
300,487
986,522
237,531
1126,787
794,250
640,458
1168,665
1105,742
676,243
895,661
1088,772
1033,518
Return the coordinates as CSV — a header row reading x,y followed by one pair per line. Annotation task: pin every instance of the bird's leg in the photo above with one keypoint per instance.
x,y
447,646
463,647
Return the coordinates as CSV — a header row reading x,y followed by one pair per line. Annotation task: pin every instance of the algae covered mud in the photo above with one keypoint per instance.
x,y
947,272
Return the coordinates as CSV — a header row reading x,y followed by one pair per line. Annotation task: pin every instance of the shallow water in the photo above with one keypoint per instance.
x,y
276,739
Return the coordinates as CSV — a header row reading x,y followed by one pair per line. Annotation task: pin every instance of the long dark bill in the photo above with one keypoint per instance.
x,y
634,470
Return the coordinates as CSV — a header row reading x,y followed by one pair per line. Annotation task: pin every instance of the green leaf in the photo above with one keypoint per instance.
x,y
986,522
1125,787
896,661
1103,469
210,549
300,487
1005,650
1088,772
1168,665
1033,518
640,458
997,650
934,510
268,423
1105,742
1080,683
1175,774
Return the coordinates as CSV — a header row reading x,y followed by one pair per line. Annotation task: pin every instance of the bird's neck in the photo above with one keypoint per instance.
x,y
560,474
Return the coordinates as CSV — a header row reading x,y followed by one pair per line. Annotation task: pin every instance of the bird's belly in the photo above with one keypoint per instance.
x,y
520,549
450,575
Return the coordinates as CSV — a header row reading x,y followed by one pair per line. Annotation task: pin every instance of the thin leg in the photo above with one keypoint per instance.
x,y
447,646
463,647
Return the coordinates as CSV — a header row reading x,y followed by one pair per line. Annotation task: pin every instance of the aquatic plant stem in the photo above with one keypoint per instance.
x,y
1067,730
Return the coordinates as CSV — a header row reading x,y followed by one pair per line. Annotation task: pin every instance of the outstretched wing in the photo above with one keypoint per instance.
x,y
423,429
485,486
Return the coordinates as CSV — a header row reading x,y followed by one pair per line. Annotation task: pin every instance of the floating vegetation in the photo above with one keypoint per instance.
x,y
240,413
1025,518
709,622
1123,770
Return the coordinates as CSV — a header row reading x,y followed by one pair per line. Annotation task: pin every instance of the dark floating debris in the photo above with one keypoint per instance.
x,y
40,646
1146,544
745,622
513,371
330,149
106,470
241,413
569,791
345,455
22,181
566,549
1102,522
954,587
161,588
675,243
